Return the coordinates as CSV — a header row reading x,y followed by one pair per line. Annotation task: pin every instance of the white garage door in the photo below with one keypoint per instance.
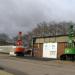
x,y
50,50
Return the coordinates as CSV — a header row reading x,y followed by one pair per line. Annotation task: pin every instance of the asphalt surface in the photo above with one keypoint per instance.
x,y
26,66
5,73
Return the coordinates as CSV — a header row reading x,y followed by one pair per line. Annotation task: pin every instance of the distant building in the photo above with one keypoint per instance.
x,y
4,42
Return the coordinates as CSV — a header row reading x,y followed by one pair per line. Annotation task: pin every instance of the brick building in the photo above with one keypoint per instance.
x,y
38,42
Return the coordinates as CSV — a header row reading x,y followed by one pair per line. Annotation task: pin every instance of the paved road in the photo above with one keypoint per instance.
x,y
5,73
20,66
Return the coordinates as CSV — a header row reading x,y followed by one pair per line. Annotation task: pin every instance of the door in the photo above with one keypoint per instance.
x,y
50,50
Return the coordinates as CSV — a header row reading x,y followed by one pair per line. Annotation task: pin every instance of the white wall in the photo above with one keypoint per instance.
x,y
6,49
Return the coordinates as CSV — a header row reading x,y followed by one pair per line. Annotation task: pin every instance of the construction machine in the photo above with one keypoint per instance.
x,y
19,50
69,52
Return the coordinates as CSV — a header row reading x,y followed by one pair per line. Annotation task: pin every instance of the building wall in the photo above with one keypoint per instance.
x,y
52,39
60,49
38,49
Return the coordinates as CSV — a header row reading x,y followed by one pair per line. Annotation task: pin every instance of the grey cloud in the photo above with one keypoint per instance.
x,y
23,15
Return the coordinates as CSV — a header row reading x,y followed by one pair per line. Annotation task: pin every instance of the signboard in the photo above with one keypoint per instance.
x,y
50,50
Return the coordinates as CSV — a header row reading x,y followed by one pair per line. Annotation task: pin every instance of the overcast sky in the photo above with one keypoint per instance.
x,y
23,15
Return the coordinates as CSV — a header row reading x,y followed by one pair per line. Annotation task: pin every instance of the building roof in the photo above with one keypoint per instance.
x,y
49,36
